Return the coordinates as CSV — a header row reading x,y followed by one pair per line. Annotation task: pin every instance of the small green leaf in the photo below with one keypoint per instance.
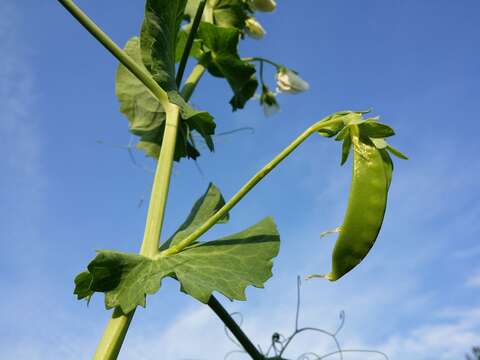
x,y
375,129
82,286
346,146
222,60
343,134
201,211
331,130
379,143
397,153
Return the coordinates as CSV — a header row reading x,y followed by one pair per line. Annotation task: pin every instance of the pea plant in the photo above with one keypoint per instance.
x,y
154,97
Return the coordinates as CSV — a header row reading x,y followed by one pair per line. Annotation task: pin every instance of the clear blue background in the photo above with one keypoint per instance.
x,y
63,195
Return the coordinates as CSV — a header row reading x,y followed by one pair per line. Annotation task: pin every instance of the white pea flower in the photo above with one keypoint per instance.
x,y
269,102
263,5
289,82
254,29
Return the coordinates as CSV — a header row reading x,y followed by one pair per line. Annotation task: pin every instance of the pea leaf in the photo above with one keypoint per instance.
x,y
397,153
222,60
155,51
230,264
147,117
126,278
82,286
375,129
203,209
346,146
158,39
227,265
195,51
225,13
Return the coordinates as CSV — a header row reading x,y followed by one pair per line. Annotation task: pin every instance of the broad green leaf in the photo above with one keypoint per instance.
x,y
158,39
201,211
222,60
195,51
230,264
126,279
227,265
147,117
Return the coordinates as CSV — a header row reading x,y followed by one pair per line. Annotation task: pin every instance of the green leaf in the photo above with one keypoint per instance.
x,y
126,279
379,143
82,286
397,153
224,13
375,129
222,60
147,118
195,51
227,265
230,264
331,130
158,39
346,146
201,211
230,13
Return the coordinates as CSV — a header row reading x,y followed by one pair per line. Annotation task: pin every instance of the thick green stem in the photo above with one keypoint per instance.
x,y
161,183
117,327
116,51
247,187
114,334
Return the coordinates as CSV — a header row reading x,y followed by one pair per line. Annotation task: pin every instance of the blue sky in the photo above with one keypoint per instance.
x,y
63,195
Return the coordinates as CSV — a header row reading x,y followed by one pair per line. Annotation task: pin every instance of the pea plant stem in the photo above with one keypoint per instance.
x,y
116,51
189,43
114,334
243,339
262,60
247,187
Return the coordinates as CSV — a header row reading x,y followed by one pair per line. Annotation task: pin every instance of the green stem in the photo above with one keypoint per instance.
x,y
262,60
116,51
247,187
114,334
192,81
189,43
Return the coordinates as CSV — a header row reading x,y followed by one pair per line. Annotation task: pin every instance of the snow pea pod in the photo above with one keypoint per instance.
x,y
371,177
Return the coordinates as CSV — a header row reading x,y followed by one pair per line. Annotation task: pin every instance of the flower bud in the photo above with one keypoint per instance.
x,y
288,81
268,102
263,5
254,29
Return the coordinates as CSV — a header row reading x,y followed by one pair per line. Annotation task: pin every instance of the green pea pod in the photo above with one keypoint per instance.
x,y
372,174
